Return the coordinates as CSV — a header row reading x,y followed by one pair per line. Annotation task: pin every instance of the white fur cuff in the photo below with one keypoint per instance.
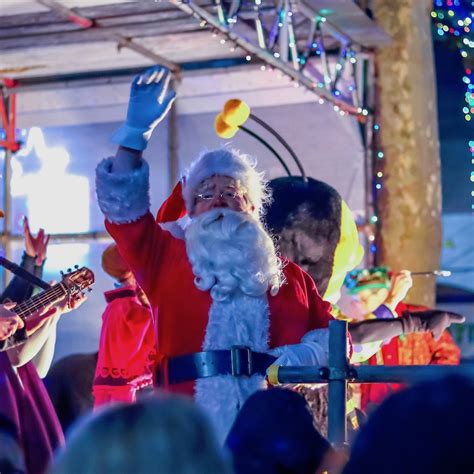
x,y
122,197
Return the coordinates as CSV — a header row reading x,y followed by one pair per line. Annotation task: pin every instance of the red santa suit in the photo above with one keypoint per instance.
x,y
126,350
161,267
187,319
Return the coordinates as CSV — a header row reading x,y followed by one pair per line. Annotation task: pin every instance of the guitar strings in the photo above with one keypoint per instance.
x,y
28,307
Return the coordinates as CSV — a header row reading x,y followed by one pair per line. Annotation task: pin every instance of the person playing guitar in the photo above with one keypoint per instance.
x,y
27,339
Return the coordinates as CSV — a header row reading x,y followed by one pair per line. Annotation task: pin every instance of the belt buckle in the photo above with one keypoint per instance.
x,y
239,366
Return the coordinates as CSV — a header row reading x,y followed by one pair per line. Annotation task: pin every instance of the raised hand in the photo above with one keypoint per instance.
x,y
400,285
150,100
35,246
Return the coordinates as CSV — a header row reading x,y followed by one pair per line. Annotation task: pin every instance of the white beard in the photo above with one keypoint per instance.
x,y
231,251
234,258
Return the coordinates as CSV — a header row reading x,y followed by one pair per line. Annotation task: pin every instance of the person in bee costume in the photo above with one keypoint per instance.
x,y
315,228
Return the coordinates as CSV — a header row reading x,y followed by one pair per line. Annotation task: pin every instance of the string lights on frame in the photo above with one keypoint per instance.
x,y
280,51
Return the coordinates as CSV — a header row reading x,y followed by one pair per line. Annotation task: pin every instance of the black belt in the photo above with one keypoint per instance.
x,y
238,361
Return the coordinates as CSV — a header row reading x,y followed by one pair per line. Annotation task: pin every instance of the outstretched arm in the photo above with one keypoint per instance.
x,y
434,321
122,181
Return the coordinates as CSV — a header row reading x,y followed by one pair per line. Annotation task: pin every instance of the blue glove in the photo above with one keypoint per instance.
x,y
305,353
150,100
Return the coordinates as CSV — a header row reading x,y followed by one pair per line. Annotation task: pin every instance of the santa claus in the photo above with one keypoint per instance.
x,y
224,302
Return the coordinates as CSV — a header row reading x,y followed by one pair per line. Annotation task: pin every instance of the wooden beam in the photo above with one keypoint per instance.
x,y
70,14
120,10
122,42
181,25
148,53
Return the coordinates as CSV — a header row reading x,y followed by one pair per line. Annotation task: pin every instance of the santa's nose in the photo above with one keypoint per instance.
x,y
219,201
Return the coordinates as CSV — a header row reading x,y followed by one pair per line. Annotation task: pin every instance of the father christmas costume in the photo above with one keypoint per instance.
x,y
190,320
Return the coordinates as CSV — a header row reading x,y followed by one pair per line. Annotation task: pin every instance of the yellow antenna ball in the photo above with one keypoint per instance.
x,y
236,112
223,129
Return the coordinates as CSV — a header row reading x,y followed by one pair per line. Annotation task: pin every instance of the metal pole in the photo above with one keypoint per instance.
x,y
374,373
409,374
7,197
337,385
173,171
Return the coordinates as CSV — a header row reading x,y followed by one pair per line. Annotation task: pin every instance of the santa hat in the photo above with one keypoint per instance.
x,y
221,162
114,265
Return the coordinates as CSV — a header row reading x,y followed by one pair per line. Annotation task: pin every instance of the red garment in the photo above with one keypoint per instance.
x,y
410,349
127,348
161,267
24,401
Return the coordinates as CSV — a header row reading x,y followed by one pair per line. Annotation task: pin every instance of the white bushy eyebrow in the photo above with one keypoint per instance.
x,y
232,184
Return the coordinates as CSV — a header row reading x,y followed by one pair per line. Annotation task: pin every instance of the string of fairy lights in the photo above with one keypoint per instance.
x,y
450,18
453,19
268,51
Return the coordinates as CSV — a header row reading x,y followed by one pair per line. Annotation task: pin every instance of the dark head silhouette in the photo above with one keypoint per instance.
x,y
428,428
314,229
274,433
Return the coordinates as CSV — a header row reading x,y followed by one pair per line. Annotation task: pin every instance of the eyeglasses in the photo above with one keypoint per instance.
x,y
227,195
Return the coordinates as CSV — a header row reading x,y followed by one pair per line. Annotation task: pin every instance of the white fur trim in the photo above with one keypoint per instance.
x,y
226,163
242,320
177,228
174,229
122,197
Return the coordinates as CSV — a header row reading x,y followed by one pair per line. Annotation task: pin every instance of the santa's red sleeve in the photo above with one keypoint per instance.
x,y
143,244
124,199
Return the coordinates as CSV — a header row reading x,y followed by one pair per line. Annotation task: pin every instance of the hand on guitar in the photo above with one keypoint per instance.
x,y
9,321
60,298
66,305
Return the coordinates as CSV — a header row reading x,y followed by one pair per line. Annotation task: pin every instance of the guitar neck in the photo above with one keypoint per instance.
x,y
40,301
